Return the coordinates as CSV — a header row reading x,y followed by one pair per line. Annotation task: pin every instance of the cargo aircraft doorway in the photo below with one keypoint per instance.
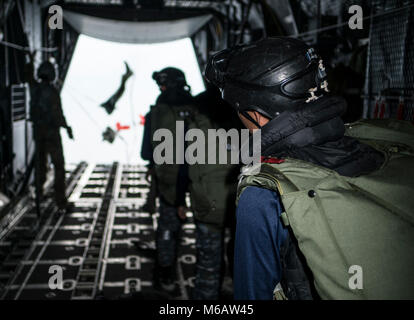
x,y
95,74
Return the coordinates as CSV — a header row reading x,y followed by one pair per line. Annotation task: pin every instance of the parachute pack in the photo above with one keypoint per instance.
x,y
213,186
349,225
212,189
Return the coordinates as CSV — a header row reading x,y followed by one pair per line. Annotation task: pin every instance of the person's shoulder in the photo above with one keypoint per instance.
x,y
35,85
256,197
45,86
257,205
201,98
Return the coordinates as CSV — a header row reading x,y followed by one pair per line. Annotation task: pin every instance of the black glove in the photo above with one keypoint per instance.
x,y
70,133
182,211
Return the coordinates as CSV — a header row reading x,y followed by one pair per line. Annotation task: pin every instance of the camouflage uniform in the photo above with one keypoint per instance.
x,y
173,104
169,226
209,262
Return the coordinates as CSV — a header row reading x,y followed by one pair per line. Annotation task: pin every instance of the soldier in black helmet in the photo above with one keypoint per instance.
x,y
212,186
173,104
324,198
213,189
47,117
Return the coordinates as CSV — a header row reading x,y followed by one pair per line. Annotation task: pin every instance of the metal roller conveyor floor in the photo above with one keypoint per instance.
x,y
102,248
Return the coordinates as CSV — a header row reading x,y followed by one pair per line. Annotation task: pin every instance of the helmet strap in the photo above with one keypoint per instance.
x,y
249,117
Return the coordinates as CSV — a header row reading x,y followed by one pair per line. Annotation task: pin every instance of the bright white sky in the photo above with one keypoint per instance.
x,y
95,74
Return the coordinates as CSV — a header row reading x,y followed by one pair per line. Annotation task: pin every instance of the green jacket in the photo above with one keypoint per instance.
x,y
213,186
345,224
164,116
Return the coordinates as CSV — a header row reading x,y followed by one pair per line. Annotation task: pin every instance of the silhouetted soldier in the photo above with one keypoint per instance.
x,y
173,104
47,117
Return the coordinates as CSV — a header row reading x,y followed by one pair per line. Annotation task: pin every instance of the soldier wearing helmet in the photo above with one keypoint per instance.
x,y
173,104
47,117
212,186
325,196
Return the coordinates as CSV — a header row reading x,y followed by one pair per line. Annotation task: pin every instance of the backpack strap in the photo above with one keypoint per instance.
x,y
384,134
267,177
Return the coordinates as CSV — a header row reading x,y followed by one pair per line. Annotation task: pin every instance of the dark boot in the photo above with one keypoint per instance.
x,y
109,106
128,72
166,278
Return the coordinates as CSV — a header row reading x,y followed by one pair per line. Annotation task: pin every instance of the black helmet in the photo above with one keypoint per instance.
x,y
170,78
269,76
46,71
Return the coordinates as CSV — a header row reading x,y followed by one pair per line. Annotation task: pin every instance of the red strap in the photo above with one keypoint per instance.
x,y
376,109
119,127
382,111
271,160
141,120
400,111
